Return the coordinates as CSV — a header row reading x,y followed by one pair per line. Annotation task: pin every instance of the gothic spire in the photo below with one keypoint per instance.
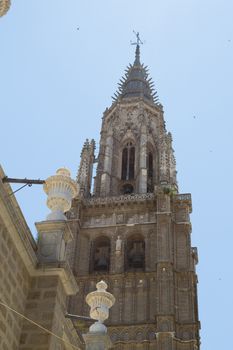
x,y
136,81
137,56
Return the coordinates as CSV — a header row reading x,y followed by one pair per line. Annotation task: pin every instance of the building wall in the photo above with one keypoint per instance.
x,y
46,305
155,305
14,287
36,289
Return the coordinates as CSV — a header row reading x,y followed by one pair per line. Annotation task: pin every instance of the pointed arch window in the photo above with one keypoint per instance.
x,y
128,162
150,165
100,260
150,172
135,253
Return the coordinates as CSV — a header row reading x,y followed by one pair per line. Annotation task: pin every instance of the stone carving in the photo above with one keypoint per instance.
x,y
117,199
4,7
60,189
118,245
143,333
100,302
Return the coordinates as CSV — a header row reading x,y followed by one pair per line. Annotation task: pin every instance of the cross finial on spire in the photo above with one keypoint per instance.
x,y
137,52
139,41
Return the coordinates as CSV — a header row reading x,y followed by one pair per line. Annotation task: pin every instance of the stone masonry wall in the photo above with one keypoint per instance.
x,y
14,286
46,305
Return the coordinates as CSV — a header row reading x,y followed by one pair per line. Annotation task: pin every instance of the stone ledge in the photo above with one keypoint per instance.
x,y
61,269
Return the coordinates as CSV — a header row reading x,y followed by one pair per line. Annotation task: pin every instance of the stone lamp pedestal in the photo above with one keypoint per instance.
x,y
54,233
60,189
100,302
53,237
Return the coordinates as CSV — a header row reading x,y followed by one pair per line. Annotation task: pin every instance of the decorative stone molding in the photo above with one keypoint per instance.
x,y
60,189
119,199
100,302
4,7
128,334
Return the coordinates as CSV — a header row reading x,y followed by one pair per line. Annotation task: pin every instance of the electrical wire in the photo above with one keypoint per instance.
x,y
38,325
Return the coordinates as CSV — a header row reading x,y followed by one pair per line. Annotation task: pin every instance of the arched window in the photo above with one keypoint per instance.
x,y
135,253
100,260
150,172
128,160
127,189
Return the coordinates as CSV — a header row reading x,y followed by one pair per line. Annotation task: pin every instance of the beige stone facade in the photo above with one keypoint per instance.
x,y
36,289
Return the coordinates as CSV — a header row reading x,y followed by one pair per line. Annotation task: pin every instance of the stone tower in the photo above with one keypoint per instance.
x,y
134,230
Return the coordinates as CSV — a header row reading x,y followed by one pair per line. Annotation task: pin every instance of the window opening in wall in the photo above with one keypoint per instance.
x,y
150,164
128,162
93,178
127,189
150,172
101,255
135,254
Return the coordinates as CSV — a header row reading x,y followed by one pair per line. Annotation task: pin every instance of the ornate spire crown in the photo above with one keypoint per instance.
x,y
4,7
136,81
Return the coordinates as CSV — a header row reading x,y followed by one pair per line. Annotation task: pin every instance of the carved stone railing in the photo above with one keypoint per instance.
x,y
184,197
119,199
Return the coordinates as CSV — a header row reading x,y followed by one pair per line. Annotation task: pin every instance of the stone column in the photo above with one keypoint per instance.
x,y
118,252
142,161
165,340
106,176
100,301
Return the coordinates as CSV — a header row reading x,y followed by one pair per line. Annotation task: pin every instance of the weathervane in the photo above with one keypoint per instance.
x,y
139,41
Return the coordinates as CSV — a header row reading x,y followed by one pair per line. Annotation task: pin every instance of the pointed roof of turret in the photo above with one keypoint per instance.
x,y
136,82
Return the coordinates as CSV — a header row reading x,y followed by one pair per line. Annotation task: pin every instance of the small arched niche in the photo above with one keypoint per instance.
x,y
127,189
135,253
100,259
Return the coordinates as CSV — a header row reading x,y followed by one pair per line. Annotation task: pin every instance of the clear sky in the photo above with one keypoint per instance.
x,y
56,81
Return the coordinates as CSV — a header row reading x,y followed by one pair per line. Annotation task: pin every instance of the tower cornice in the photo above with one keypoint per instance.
x,y
132,102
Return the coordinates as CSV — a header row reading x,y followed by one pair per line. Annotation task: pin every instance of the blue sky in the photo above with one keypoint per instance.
x,y
56,81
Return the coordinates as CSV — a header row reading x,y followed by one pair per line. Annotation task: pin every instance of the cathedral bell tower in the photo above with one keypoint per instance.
x,y
135,150
134,230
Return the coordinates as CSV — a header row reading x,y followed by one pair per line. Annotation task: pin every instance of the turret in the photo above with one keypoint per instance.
x,y
84,177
